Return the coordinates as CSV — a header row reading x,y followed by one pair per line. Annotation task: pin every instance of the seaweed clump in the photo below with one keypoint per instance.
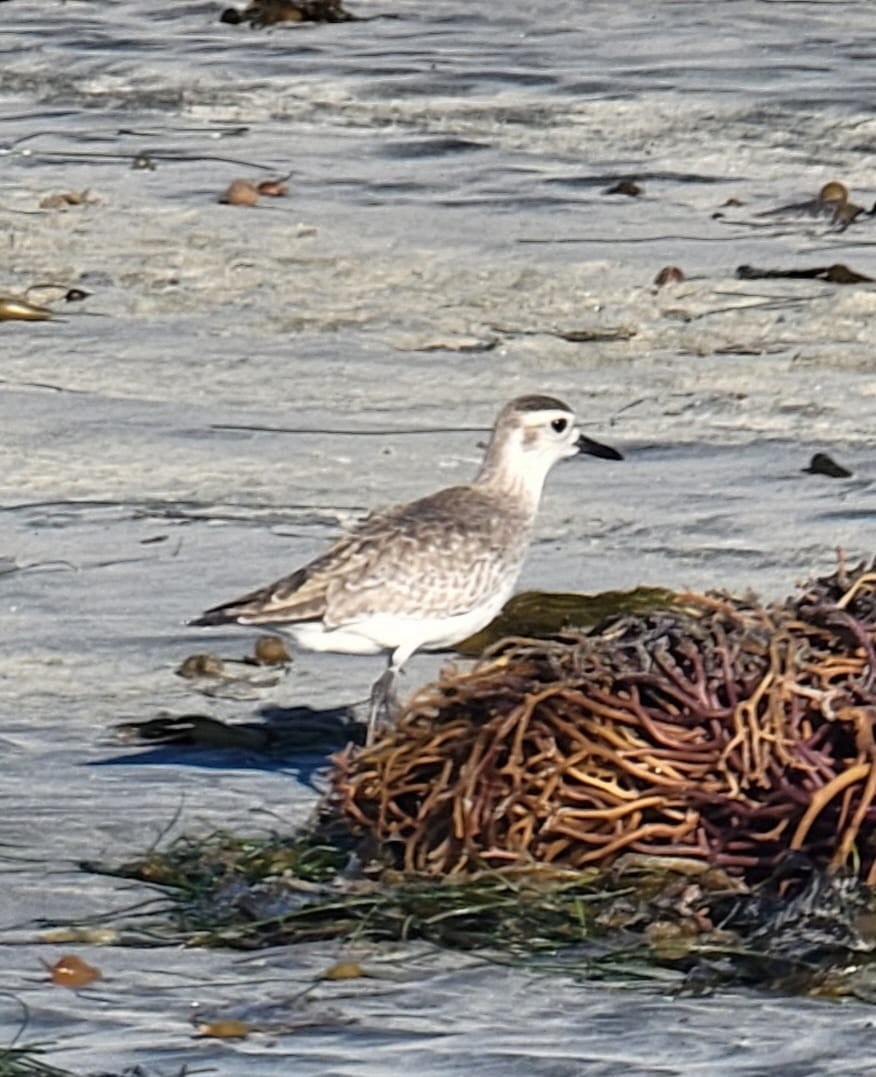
x,y
686,794
20,1059
261,13
27,1061
666,919
719,730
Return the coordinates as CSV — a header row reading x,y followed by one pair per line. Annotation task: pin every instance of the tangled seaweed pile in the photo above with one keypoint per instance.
x,y
718,730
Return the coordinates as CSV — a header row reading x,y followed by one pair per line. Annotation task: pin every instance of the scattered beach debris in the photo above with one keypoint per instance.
x,y
836,274
71,971
593,336
627,186
272,1018
201,665
213,674
344,970
669,275
832,194
822,464
15,308
461,344
832,202
272,188
240,192
728,203
261,13
672,919
267,651
91,936
271,651
191,864
573,336
227,1029
244,192
825,913
64,199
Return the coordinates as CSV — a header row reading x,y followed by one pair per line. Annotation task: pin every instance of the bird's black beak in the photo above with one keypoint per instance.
x,y
587,445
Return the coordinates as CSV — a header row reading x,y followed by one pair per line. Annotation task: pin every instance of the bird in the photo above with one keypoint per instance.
x,y
429,573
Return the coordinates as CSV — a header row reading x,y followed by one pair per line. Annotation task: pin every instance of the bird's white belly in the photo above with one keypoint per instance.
x,y
391,632
314,636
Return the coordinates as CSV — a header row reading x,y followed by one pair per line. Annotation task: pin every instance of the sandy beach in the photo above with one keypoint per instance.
x,y
240,383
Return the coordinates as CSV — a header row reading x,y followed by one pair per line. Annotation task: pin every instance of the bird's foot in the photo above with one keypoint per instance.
x,y
383,705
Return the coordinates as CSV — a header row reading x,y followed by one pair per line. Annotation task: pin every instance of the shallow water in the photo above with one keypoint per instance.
x,y
242,382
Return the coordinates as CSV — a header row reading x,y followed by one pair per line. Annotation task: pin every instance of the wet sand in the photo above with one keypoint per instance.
x,y
242,383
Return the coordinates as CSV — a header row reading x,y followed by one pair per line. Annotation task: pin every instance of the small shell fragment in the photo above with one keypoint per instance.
x,y
240,192
62,199
15,308
669,275
344,970
228,1029
628,187
93,936
201,665
271,651
273,189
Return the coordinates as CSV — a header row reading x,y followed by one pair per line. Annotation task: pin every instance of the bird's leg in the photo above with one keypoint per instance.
x,y
383,703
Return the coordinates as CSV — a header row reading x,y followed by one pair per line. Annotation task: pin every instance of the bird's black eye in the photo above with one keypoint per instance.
x,y
560,425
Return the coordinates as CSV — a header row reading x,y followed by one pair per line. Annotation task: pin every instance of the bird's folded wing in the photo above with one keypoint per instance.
x,y
418,560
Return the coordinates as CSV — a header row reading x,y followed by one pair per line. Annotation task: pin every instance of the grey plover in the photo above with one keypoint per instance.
x,y
429,573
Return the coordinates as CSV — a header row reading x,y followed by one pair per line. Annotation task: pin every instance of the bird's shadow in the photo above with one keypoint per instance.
x,y
295,739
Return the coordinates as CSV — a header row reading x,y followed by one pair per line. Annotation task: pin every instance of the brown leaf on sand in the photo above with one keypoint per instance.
x,y
72,971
